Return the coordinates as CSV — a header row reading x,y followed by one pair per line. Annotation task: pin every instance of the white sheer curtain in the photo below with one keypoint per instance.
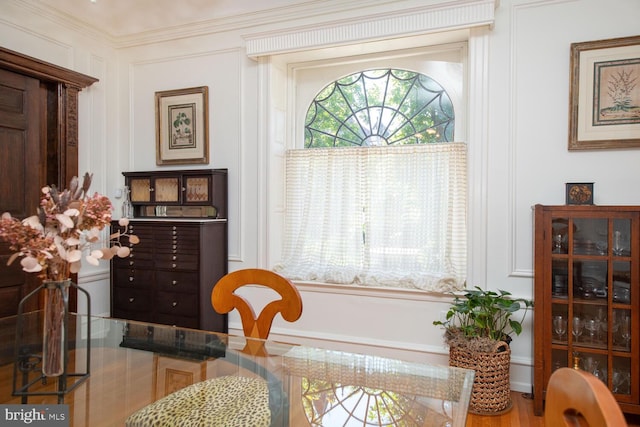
x,y
379,216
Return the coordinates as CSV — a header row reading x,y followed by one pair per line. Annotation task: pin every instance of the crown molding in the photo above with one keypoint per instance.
x,y
358,20
406,22
62,19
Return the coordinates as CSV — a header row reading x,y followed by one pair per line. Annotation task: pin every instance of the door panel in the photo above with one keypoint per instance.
x,y
21,172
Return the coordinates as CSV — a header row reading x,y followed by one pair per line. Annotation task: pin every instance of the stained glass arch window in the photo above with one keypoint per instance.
x,y
380,107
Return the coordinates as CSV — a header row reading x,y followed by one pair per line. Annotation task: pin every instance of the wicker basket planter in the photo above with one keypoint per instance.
x,y
491,394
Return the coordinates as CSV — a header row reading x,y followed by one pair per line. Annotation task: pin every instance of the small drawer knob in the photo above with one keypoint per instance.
x,y
132,299
174,304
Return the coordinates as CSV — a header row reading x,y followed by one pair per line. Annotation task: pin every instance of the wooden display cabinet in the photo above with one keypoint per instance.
x,y
587,297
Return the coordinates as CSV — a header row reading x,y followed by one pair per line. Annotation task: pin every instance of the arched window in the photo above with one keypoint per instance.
x,y
378,195
380,107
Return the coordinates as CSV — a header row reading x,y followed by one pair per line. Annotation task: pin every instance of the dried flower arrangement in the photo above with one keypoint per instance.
x,y
67,225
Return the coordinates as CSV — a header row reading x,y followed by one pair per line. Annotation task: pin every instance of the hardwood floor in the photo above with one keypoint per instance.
x,y
522,416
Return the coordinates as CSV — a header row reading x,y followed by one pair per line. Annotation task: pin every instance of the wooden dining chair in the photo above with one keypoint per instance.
x,y
225,299
256,400
577,398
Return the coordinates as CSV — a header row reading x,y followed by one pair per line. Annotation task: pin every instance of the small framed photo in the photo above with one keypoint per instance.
x,y
182,128
579,193
604,98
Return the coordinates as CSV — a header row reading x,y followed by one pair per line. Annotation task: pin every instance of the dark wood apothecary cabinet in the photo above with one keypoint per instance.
x,y
587,297
180,218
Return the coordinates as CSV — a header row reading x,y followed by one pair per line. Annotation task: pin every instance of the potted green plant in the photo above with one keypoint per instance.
x,y
478,329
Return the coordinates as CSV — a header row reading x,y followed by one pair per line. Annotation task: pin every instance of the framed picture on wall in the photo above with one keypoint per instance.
x,y
182,128
604,99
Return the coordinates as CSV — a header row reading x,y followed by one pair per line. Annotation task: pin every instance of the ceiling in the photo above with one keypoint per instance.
x,y
122,18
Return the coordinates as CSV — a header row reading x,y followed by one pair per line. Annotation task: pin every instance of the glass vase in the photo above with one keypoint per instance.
x,y
56,298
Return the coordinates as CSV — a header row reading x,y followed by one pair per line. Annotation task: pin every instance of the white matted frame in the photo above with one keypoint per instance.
x,y
604,100
182,128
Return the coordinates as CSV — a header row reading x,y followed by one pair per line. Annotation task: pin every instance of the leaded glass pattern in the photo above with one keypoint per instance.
x,y
380,107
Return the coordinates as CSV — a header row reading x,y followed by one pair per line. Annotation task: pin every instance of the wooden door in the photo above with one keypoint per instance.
x,y
22,173
38,146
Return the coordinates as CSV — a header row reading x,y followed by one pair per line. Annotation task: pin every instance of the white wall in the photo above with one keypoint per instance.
x,y
527,161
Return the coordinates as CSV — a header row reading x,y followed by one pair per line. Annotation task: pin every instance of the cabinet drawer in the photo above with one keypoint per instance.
x,y
178,247
176,232
134,261
143,231
177,281
173,235
177,303
177,261
133,277
138,300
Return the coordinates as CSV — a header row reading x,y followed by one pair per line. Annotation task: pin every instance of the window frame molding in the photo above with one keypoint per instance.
x,y
276,99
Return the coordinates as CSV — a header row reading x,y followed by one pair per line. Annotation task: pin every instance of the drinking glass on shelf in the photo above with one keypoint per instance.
x,y
576,328
592,365
601,320
625,330
592,326
557,243
618,247
560,326
621,382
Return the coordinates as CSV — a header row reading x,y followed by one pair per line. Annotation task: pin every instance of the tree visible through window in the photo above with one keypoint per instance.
x,y
378,195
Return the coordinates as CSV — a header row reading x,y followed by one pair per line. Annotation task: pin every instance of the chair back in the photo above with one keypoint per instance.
x,y
578,398
224,299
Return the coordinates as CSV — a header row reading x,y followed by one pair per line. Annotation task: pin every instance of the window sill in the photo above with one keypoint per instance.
x,y
372,291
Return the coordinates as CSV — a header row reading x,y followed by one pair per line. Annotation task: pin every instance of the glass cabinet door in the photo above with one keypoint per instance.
x,y
167,190
590,284
140,189
197,190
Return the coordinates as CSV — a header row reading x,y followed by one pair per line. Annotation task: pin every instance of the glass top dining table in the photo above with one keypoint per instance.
x,y
116,367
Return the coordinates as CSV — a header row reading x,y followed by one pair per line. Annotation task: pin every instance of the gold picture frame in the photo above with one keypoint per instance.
x,y
182,126
604,98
